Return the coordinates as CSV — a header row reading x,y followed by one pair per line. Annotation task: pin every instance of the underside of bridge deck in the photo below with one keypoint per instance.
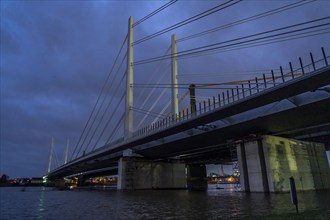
x,y
313,117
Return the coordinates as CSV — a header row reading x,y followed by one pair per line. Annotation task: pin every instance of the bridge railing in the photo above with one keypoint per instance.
x,y
238,93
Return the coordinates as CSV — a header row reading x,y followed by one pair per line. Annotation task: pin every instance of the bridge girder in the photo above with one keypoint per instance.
x,y
313,115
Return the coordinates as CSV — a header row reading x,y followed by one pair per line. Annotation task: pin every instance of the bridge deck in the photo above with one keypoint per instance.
x,y
184,139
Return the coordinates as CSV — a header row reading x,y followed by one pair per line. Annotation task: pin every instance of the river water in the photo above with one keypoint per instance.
x,y
49,203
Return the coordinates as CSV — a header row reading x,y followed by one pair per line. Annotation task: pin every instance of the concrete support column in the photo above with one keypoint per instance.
x,y
262,161
244,175
137,173
305,161
252,166
196,177
81,180
59,183
267,164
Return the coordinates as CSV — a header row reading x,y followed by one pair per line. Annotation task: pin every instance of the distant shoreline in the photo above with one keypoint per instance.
x,y
23,185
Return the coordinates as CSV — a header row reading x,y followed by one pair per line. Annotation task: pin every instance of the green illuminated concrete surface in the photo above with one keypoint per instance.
x,y
305,161
267,163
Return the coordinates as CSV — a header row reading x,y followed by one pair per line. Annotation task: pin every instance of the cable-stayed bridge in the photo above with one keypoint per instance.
x,y
207,122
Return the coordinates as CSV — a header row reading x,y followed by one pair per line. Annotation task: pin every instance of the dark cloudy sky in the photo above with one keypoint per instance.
x,y
56,55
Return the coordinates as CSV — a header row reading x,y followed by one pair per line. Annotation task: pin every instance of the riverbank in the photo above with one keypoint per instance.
x,y
305,215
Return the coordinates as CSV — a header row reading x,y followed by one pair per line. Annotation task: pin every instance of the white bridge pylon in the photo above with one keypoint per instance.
x,y
128,131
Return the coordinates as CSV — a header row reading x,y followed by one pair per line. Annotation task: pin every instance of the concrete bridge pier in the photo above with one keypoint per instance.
x,y
59,183
139,173
196,177
81,180
267,163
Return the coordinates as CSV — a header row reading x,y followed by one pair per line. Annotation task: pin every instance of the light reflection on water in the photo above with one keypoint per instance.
x,y
47,203
41,208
